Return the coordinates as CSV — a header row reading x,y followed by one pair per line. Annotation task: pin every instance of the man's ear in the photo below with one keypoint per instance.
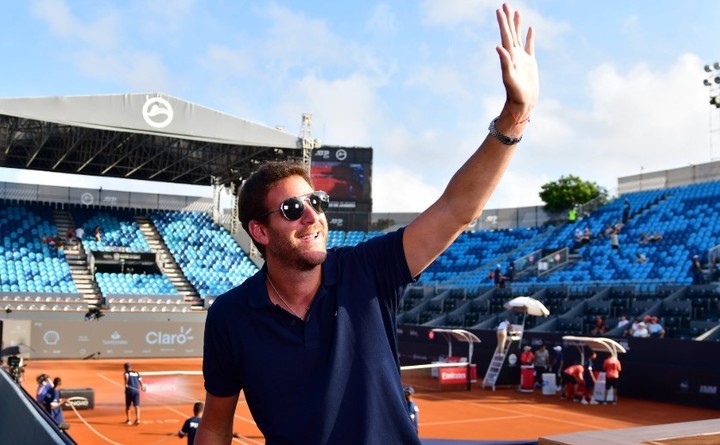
x,y
258,232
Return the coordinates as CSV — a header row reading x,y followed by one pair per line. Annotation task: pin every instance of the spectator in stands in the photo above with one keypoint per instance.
x,y
614,240
612,368
497,277
510,272
599,327
578,236
633,327
97,234
54,403
641,331
586,236
69,235
607,231
191,424
655,329
572,214
623,321
640,258
626,210
656,237
324,316
542,364
79,233
618,226
696,271
644,239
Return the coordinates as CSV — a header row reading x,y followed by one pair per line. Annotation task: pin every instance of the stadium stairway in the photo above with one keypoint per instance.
x,y
77,259
168,265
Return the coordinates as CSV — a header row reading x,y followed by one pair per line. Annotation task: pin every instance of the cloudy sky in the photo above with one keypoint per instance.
x,y
418,81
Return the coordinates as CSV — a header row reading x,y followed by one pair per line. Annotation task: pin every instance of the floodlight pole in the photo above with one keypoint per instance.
x,y
712,81
308,144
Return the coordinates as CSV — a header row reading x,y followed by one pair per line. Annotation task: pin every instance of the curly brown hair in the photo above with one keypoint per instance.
x,y
251,199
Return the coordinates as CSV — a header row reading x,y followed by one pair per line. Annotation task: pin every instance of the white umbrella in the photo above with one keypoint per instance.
x,y
528,305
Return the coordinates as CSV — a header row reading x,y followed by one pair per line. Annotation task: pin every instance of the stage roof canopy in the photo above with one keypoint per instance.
x,y
148,136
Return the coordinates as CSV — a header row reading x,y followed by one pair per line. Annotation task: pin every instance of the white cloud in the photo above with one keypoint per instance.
x,y
97,47
383,22
160,17
294,40
101,33
656,119
480,15
640,118
440,80
345,110
455,12
397,189
422,100
137,69
226,61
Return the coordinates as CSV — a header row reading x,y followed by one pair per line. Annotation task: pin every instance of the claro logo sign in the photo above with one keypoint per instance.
x,y
166,338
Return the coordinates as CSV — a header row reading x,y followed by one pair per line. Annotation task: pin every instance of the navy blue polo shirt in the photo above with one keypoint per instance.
x,y
333,378
190,427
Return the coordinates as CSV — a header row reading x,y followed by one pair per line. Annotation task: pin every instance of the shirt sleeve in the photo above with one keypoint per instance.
x,y
221,377
388,264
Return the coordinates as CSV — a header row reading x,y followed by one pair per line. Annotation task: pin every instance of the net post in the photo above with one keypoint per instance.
x,y
468,375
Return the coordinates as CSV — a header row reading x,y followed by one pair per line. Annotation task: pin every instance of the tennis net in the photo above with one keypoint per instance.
x,y
438,376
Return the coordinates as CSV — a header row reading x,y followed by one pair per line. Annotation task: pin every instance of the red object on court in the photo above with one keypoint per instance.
x,y
457,375
527,378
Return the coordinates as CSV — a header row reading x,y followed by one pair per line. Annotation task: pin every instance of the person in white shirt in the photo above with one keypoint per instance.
x,y
502,334
641,331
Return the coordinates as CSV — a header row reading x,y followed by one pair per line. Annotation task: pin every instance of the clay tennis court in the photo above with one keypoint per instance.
x,y
480,414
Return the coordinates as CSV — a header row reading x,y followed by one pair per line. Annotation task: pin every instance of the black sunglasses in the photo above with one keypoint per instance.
x,y
293,208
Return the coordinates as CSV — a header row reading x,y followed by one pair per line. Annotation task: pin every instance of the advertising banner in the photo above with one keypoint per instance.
x,y
115,339
457,375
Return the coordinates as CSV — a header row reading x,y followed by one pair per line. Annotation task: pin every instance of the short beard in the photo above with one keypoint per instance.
x,y
287,255
305,264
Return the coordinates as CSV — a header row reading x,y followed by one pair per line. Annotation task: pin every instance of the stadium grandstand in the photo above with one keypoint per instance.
x,y
106,267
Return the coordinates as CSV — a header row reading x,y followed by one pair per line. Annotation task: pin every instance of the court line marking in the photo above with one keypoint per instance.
x,y
474,420
489,404
157,398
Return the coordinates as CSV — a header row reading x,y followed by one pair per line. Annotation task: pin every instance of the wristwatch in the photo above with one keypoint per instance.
x,y
505,139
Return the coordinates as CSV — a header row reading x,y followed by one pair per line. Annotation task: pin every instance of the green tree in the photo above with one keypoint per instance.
x,y
568,191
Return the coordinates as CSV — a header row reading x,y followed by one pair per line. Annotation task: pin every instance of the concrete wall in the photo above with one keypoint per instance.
x,y
675,177
489,219
100,197
68,336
